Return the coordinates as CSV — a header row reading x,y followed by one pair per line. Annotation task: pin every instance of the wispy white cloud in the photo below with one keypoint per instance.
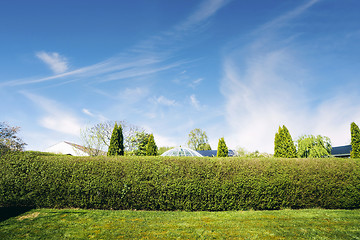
x,y
87,112
55,117
132,95
103,70
56,62
164,101
260,98
206,9
99,117
138,71
195,102
196,82
285,18
173,39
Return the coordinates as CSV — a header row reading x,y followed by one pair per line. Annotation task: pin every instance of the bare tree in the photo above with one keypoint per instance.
x,y
9,139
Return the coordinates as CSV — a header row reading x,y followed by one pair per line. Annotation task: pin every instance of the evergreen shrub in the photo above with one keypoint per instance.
x,y
222,150
116,147
355,141
177,183
284,146
151,148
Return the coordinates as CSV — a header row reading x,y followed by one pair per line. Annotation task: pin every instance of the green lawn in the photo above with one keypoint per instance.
x,y
107,224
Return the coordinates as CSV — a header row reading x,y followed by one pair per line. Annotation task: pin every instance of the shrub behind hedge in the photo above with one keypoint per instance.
x,y
178,183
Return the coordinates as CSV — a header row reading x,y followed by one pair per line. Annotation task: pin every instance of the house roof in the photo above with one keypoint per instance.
x,y
341,151
71,149
213,153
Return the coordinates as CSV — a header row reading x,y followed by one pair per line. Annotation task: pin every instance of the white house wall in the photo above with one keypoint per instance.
x,y
64,148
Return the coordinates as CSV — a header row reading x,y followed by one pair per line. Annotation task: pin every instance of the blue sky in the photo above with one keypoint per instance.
x,y
236,69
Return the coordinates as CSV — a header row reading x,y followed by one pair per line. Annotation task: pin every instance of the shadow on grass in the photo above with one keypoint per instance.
x,y
9,212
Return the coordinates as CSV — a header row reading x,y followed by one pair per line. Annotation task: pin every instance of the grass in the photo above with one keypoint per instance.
x,y
108,224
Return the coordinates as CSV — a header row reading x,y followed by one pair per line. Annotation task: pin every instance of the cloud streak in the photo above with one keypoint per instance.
x,y
206,10
195,102
164,101
57,63
285,18
124,67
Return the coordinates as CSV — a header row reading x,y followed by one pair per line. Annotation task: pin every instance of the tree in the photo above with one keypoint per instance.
x,y
93,140
206,147
9,141
97,137
278,149
137,143
284,145
151,148
309,146
116,147
198,140
222,150
355,141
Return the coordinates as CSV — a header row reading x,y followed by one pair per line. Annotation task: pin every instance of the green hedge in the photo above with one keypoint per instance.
x,y
177,183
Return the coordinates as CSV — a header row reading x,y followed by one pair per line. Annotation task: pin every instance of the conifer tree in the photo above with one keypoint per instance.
x,y
277,147
222,150
284,145
355,141
116,147
290,148
151,148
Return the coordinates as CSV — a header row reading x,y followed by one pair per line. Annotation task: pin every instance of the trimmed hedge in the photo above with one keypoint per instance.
x,y
177,183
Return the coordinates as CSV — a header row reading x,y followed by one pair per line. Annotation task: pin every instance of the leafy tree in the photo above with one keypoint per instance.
x,y
9,141
151,148
116,147
309,146
93,140
198,140
138,143
355,141
206,147
222,150
284,145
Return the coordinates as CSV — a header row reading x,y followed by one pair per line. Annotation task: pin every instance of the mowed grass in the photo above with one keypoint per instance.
x,y
108,224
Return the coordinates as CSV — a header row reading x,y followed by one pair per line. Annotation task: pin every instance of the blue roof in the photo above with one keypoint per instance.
x,y
213,153
341,151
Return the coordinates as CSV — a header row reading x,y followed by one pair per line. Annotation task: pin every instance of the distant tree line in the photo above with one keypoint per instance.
x,y
135,139
307,146
121,138
310,146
